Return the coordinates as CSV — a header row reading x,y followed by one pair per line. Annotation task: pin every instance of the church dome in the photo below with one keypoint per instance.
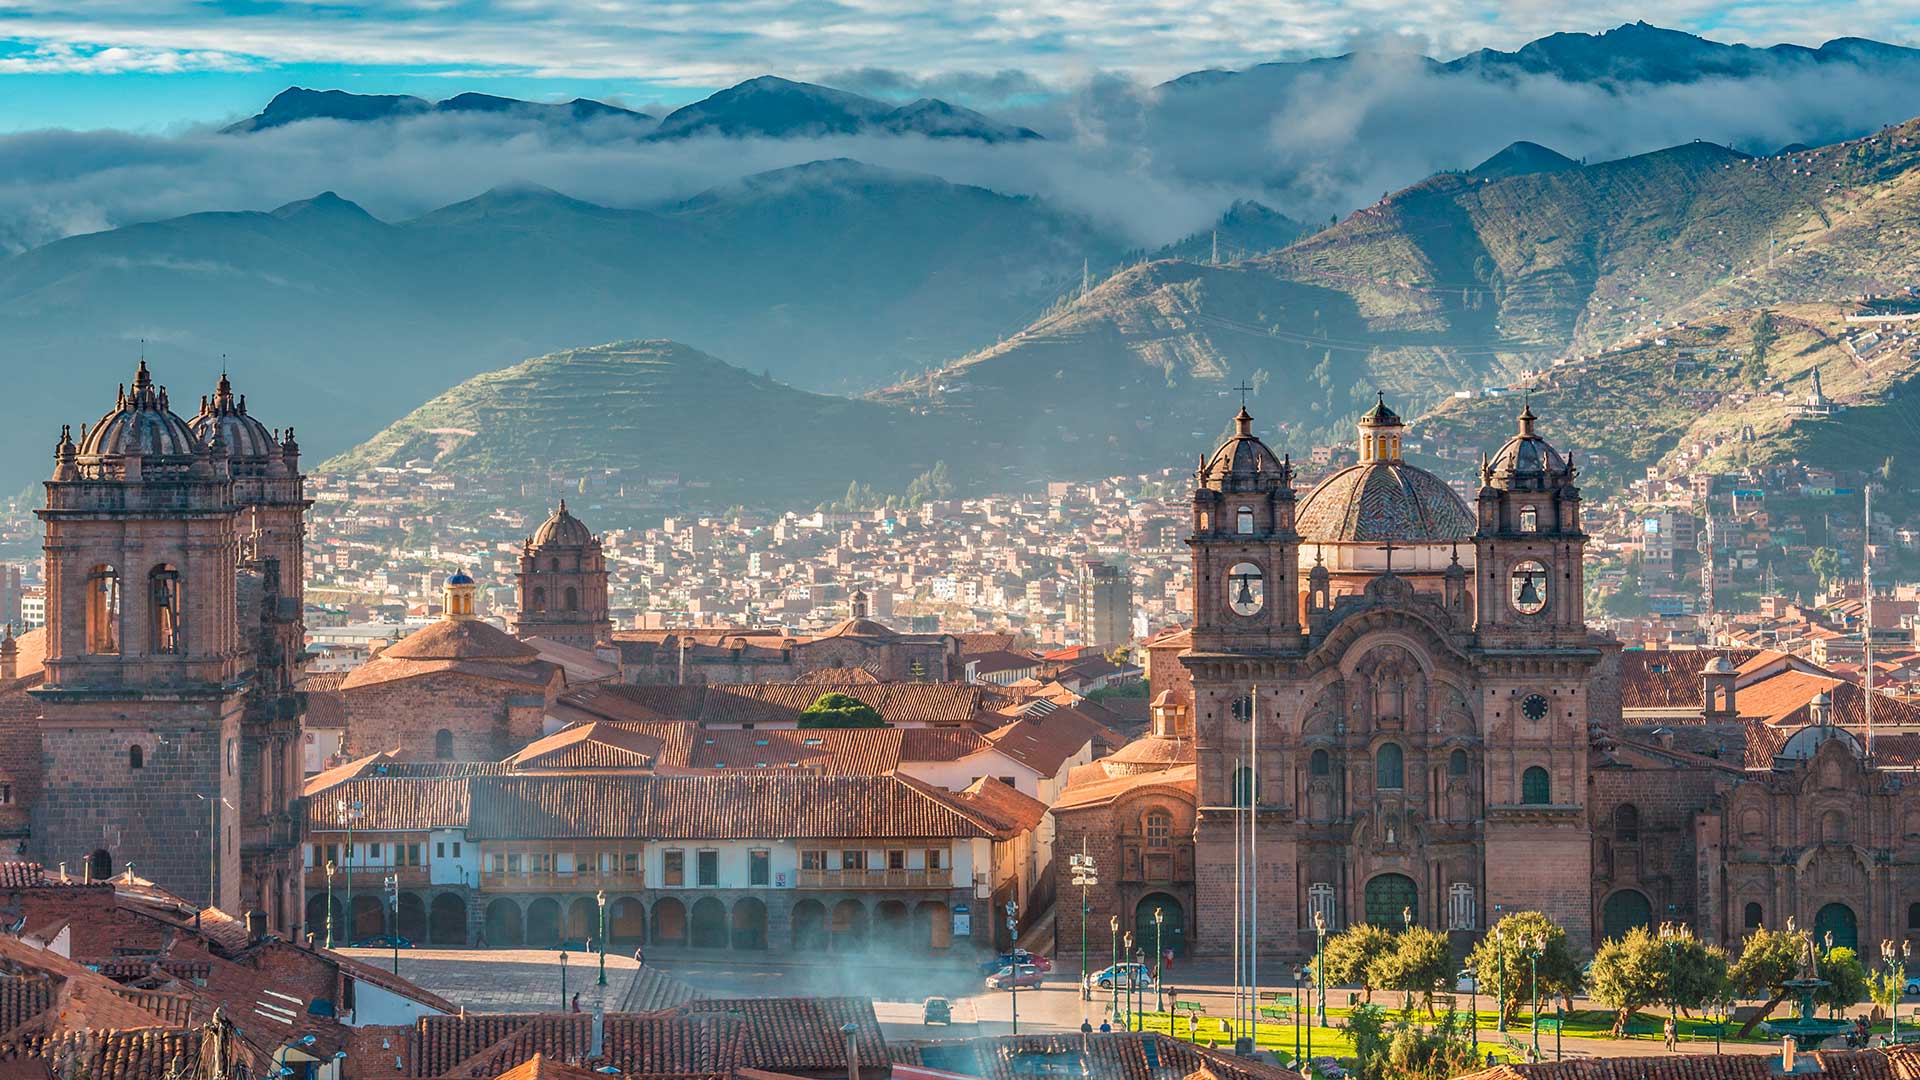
x,y
248,441
459,577
563,530
1383,501
1242,457
1526,459
142,424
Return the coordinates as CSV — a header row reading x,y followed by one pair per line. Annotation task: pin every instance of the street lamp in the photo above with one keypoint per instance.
x,y
1500,987
1013,965
1670,936
1896,964
349,810
601,899
1534,948
1159,964
393,931
563,978
1320,966
329,903
1113,972
1084,877
1473,1009
1406,924
1126,950
1297,1011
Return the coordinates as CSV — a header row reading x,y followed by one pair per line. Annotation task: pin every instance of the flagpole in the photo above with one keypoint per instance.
x,y
1237,924
1253,871
1866,570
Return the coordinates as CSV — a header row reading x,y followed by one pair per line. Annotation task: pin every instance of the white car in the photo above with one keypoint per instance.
x,y
1463,982
1913,986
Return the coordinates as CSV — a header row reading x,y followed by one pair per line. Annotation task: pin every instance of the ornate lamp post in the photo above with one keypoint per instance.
x,y
1159,967
563,979
1320,967
393,934
1113,972
1013,967
349,810
1534,948
1085,877
1126,950
601,899
1500,987
329,903
1297,1017
1670,936
1896,965
1473,1009
1406,924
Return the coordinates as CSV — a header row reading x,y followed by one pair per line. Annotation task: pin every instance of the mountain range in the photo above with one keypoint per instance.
x,y
764,107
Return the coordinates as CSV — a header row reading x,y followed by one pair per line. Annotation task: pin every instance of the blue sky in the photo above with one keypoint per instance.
x,y
154,65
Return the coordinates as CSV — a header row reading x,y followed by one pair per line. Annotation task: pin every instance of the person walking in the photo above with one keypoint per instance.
x,y
640,955
1673,1036
576,1003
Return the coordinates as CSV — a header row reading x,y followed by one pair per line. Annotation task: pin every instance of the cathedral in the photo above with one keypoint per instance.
x,y
152,726
1389,707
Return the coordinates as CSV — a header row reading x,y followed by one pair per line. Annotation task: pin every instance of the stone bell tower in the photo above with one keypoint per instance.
x,y
144,692
562,584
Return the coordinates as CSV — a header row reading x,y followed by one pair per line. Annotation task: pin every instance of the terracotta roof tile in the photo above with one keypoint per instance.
x,y
1181,779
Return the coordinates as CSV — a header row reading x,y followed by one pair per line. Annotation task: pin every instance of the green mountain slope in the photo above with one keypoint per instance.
x,y
652,409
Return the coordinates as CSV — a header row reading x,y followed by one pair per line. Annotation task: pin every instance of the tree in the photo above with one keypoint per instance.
x,y
1767,960
1559,965
1754,371
1643,969
1419,960
1349,955
840,711
1846,980
1825,564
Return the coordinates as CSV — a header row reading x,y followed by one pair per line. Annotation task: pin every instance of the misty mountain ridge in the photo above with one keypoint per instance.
x,y
1522,159
295,104
764,107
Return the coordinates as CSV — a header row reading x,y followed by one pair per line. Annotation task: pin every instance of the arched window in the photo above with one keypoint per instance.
x,y
103,610
1626,823
100,865
554,565
573,598
1320,764
1536,789
1244,521
539,598
163,609
1457,764
1913,917
1389,767
1243,787
443,745
1159,828
1750,916
136,757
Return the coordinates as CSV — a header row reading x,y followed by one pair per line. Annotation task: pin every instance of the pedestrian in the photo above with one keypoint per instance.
x,y
576,1003
1673,1037
1106,1028
1166,959
1491,1060
640,955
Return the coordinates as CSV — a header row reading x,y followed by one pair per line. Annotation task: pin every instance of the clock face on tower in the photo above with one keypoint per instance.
x,y
1534,707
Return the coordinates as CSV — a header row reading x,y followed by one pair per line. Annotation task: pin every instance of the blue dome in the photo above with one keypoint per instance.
x,y
459,577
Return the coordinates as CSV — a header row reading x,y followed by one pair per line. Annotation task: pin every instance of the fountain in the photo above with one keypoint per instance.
x,y
1807,1030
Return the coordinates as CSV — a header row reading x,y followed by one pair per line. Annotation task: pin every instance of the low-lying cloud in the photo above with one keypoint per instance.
x,y
1152,164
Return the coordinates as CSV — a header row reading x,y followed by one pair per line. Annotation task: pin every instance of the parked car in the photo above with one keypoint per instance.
x,y
1019,956
1128,976
1463,982
937,1010
1913,985
1023,975
383,941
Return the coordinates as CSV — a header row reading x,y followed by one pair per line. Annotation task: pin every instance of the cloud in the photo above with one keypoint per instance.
x,y
713,42
1151,163
65,59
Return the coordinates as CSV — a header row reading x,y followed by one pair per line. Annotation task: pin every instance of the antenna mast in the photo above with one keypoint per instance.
x,y
1866,570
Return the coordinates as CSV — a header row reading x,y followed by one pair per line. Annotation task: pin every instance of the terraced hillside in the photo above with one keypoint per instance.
x,y
655,409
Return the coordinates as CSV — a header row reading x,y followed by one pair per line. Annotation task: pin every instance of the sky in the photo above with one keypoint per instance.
x,y
162,66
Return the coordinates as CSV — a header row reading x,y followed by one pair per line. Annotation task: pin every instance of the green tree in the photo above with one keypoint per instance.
x,y
1754,371
1511,937
1419,960
1846,980
1825,564
1642,969
1349,955
840,711
1767,960
1886,986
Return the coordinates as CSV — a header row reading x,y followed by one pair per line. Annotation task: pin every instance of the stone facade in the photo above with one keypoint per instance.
x,y
164,704
666,657
562,585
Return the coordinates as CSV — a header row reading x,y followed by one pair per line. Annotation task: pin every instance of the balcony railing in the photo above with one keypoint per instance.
x,y
368,877
548,880
876,879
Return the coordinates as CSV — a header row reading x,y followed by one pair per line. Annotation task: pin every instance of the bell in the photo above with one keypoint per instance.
x,y
1245,599
1529,595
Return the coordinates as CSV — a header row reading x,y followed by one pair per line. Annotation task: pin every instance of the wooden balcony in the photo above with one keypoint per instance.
x,y
368,878
876,879
561,881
